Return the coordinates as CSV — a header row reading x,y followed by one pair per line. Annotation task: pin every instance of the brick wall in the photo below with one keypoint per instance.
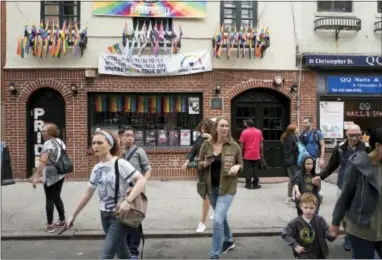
x,y
166,162
3,37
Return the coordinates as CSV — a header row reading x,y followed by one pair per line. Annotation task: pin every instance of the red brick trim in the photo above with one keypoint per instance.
x,y
40,83
255,83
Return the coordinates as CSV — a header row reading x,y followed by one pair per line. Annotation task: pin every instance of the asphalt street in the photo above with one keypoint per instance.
x,y
186,248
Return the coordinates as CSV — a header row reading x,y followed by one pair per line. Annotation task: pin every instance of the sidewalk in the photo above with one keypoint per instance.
x,y
174,210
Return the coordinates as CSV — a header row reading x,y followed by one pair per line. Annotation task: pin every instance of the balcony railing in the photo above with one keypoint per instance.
x,y
338,24
378,26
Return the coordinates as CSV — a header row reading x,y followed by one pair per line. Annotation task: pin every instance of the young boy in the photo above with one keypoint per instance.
x,y
307,233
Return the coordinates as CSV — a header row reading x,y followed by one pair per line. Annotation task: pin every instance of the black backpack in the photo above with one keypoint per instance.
x,y
63,164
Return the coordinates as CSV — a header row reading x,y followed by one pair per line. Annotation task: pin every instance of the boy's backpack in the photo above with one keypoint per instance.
x,y
63,164
302,153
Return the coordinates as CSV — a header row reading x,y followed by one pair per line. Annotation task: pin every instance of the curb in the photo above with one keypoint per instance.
x,y
93,234
98,234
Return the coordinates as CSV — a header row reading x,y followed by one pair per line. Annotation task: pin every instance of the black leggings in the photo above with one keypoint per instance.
x,y
53,198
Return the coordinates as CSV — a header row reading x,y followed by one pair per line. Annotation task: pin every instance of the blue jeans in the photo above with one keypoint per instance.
x,y
364,249
115,241
221,230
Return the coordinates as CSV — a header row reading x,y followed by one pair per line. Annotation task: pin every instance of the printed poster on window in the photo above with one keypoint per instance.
x,y
332,119
150,65
185,137
193,105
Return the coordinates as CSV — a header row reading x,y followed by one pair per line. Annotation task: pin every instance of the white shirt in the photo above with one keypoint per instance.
x,y
103,178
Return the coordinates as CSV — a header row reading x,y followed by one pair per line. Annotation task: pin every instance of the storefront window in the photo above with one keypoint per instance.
x,y
159,120
367,113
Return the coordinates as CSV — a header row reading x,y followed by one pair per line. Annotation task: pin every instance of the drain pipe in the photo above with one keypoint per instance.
x,y
298,94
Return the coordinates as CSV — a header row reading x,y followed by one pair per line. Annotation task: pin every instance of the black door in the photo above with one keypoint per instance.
x,y
45,105
270,112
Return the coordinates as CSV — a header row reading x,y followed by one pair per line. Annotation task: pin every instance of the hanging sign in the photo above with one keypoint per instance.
x,y
150,8
179,64
332,119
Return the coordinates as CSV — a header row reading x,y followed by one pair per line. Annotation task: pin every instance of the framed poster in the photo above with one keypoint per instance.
x,y
185,137
173,138
139,138
332,119
193,106
162,137
150,139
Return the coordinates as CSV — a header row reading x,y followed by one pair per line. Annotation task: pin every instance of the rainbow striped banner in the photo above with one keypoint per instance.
x,y
183,9
159,105
166,104
184,104
101,103
130,104
153,104
141,104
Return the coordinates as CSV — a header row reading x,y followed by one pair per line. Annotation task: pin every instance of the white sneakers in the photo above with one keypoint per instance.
x,y
201,228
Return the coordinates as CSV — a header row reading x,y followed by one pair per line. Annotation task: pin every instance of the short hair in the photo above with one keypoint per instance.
x,y
52,130
123,129
308,197
250,122
115,150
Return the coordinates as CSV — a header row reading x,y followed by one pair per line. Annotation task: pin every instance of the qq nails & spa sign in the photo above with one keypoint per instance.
x,y
364,108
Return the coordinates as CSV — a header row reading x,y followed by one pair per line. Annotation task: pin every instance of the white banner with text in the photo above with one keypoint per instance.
x,y
178,64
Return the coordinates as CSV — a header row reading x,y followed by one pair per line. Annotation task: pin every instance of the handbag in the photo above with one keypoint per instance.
x,y
136,213
63,164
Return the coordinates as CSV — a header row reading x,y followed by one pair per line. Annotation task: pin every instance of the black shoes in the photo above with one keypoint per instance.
x,y
252,187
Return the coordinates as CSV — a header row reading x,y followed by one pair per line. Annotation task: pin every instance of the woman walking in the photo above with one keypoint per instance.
x,y
289,139
222,160
51,180
205,128
106,147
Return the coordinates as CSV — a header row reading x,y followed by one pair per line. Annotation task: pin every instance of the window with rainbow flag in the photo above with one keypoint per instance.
x,y
159,119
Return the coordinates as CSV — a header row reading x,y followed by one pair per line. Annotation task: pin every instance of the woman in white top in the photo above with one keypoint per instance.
x,y
52,180
106,147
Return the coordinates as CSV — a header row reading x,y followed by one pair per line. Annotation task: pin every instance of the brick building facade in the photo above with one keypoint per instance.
x,y
166,161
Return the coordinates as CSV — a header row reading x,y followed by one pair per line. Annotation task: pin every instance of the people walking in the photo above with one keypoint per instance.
x,y
360,201
222,160
251,141
289,140
138,158
307,234
52,179
339,158
106,148
205,128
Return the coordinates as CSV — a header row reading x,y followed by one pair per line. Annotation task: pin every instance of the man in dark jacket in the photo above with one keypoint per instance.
x,y
361,201
339,158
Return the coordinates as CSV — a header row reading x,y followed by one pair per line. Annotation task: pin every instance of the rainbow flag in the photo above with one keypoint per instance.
x,y
153,104
191,9
101,103
166,104
159,105
114,49
141,104
172,104
130,104
113,107
178,104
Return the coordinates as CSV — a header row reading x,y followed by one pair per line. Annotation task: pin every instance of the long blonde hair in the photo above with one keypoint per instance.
x,y
215,133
